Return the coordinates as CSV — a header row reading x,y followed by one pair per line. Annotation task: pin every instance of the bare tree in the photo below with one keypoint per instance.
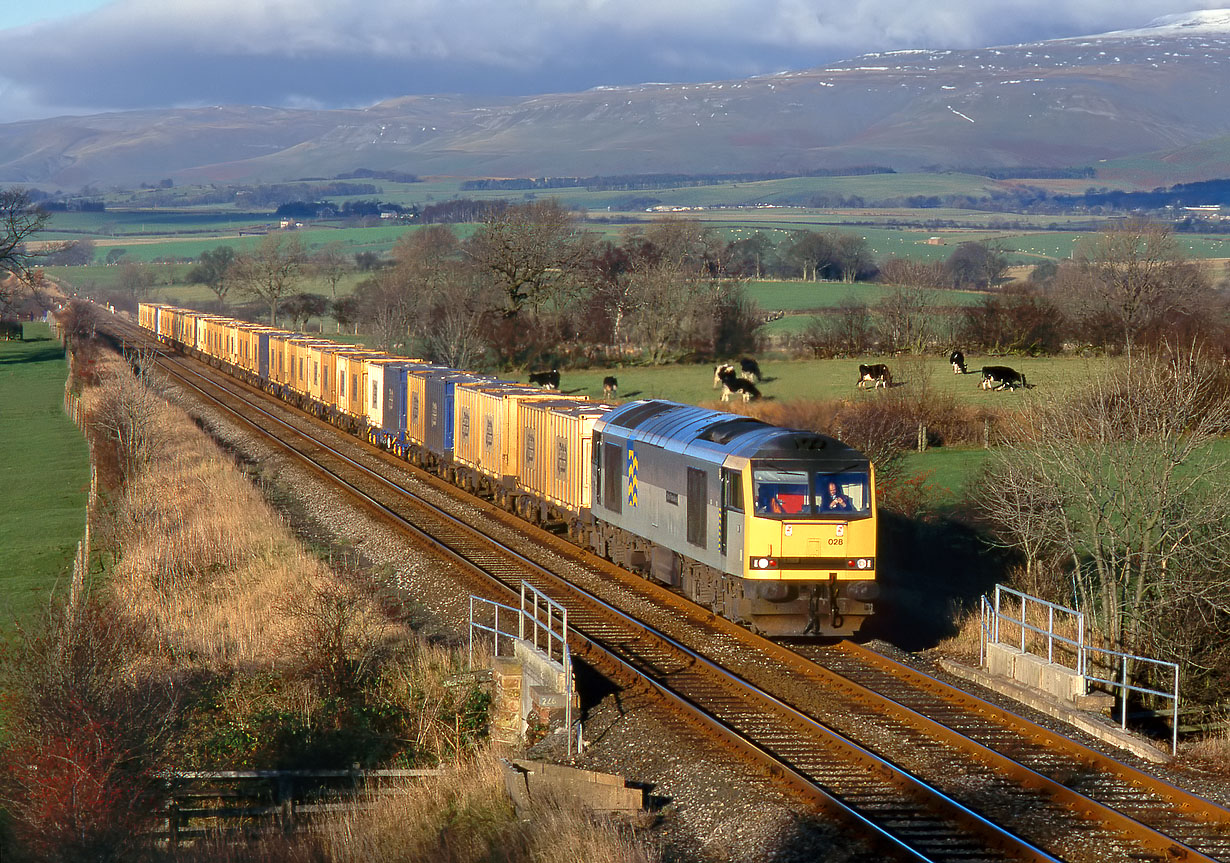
x,y
211,270
1133,275
136,281
271,271
386,307
913,273
1132,492
20,220
455,325
852,255
127,415
331,265
668,287
979,265
531,252
904,318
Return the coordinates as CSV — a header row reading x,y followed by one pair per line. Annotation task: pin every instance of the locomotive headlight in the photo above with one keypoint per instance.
x,y
863,563
764,563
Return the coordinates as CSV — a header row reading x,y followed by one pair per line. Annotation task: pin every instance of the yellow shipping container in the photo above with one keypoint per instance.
x,y
201,337
486,437
297,371
279,357
323,369
352,380
556,450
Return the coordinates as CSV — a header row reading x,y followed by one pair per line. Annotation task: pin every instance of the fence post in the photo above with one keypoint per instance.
x,y
173,821
285,802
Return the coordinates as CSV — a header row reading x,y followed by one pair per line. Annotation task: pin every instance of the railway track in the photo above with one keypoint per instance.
x,y
840,726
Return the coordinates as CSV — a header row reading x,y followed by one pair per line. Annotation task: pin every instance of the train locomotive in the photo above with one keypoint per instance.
x,y
773,528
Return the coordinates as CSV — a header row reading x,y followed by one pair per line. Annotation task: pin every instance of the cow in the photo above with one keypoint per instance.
x,y
546,380
958,363
749,370
720,371
732,383
1001,377
878,375
610,386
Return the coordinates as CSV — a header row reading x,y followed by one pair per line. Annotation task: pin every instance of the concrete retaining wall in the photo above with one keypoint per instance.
x,y
1034,671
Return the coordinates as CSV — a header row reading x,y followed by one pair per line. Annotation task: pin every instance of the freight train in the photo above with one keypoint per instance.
x,y
773,528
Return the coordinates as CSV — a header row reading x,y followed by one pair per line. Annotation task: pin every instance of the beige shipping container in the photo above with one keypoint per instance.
x,y
352,380
147,314
486,437
299,364
557,448
249,344
323,358
200,333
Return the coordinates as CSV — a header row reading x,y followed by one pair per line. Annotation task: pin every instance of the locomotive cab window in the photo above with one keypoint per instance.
x,y
795,493
842,492
781,492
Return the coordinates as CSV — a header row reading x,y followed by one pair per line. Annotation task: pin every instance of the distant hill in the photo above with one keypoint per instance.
x,y
1148,107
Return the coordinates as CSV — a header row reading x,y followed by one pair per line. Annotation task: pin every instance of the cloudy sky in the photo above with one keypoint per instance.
x,y
88,56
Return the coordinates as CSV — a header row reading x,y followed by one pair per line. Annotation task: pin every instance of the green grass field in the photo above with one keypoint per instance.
x,y
45,470
788,380
793,296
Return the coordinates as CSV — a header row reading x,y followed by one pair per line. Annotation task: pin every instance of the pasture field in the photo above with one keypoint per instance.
x,y
948,470
45,471
794,296
825,379
152,234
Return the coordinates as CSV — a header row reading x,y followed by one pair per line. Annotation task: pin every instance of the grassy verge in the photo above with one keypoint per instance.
x,y
44,470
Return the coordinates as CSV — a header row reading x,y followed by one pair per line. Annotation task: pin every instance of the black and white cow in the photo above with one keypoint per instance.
x,y
877,375
732,383
1001,377
546,380
958,363
749,370
610,386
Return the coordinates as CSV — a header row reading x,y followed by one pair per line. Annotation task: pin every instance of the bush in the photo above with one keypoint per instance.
x,y
86,736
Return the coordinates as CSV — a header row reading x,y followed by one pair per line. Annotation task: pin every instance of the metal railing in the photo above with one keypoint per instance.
x,y
1047,632
1033,609
1125,660
547,624
511,616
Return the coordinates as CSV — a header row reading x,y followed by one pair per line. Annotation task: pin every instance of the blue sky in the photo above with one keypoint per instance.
x,y
48,10
90,56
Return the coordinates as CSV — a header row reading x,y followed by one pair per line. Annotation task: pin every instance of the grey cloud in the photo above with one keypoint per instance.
x,y
146,53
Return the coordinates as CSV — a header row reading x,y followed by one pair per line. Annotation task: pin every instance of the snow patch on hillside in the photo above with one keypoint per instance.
x,y
1203,21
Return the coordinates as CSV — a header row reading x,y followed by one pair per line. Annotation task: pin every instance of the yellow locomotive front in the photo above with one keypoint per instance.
x,y
810,540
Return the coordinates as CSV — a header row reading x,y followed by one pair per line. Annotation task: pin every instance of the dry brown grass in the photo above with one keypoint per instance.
x,y
965,644
462,816
1212,751
206,563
